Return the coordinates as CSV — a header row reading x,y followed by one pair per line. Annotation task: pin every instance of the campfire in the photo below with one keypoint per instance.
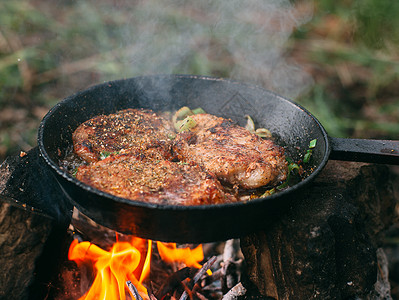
x,y
134,268
113,268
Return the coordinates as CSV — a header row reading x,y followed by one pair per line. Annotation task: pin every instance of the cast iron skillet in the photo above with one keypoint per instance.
x,y
291,125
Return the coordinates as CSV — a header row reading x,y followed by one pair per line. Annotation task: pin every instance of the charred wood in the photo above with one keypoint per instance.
x,y
201,272
173,282
236,292
230,267
28,179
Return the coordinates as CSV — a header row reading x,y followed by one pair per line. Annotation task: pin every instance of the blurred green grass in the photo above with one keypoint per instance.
x,y
49,50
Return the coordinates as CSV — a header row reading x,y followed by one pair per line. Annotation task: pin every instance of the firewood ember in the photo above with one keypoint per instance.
x,y
133,290
173,282
201,272
229,273
200,286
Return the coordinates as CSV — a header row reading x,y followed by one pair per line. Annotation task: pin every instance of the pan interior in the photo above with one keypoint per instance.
x,y
292,127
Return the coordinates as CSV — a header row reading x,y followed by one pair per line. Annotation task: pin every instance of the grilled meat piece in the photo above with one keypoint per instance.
x,y
231,152
124,131
143,177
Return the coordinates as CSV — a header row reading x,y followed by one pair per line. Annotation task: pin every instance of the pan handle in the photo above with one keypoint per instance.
x,y
364,150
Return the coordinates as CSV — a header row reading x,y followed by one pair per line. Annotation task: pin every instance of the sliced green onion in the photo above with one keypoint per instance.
x,y
183,112
180,115
292,167
312,144
105,154
198,110
250,126
187,124
263,132
268,193
307,156
308,153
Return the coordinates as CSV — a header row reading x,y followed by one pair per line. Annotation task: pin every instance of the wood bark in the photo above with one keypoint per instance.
x,y
34,217
327,246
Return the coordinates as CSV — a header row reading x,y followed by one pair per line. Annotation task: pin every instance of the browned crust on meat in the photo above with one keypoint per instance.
x,y
124,131
231,152
141,177
140,166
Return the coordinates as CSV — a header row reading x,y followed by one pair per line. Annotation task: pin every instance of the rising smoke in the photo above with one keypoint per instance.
x,y
243,40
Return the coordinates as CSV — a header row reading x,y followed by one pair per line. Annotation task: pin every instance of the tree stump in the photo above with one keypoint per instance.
x,y
327,246
34,217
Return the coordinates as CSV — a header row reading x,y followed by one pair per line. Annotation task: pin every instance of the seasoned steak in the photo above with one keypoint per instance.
x,y
143,177
231,152
124,131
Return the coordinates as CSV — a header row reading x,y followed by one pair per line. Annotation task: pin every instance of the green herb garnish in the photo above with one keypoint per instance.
x,y
292,169
312,144
308,153
262,132
105,154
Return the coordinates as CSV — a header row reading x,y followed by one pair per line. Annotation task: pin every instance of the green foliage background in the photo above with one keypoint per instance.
x,y
51,49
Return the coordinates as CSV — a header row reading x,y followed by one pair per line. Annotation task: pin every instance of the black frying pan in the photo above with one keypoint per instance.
x,y
292,126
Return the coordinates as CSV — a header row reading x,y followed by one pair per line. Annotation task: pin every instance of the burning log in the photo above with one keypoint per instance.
x,y
328,245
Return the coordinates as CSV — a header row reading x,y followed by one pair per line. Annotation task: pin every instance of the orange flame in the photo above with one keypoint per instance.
x,y
124,262
190,257
113,267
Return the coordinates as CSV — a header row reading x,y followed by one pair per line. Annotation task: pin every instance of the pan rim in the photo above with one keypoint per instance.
x,y
166,207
